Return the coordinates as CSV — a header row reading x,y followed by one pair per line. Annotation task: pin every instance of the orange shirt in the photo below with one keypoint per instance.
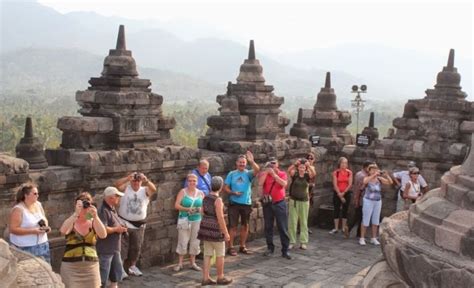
x,y
342,176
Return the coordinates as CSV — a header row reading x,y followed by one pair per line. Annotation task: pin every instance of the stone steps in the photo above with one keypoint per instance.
x,y
460,195
467,181
454,228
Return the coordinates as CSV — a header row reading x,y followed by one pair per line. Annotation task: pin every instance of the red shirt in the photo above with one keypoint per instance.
x,y
342,176
278,191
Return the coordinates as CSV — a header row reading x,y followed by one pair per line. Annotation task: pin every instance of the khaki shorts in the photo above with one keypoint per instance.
x,y
210,247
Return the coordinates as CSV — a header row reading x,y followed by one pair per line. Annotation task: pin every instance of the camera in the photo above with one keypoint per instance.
x,y
136,176
303,161
41,223
86,204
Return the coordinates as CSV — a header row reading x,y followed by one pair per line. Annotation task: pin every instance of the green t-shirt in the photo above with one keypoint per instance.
x,y
187,201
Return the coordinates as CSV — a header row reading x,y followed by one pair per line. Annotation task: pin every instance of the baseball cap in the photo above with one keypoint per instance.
x,y
109,191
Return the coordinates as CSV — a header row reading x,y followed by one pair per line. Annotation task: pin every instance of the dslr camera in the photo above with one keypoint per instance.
x,y
86,204
42,225
303,161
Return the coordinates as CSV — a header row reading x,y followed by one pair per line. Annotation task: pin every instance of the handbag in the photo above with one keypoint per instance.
x,y
183,222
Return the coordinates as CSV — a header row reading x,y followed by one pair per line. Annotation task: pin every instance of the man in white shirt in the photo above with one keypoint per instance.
x,y
132,210
401,179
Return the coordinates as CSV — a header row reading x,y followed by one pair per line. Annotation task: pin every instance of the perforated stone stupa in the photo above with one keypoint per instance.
x,y
324,120
119,109
434,131
248,111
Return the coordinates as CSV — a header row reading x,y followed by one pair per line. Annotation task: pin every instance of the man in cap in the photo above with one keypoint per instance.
x,y
108,248
274,182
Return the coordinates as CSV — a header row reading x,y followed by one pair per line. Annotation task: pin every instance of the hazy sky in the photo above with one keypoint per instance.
x,y
281,26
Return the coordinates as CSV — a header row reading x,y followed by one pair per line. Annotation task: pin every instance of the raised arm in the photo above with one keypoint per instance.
x,y
150,187
252,162
68,224
121,183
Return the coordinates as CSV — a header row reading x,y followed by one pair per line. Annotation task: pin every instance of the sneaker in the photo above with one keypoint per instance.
x,y
374,241
333,231
178,268
286,256
268,253
291,246
362,241
303,247
133,270
195,267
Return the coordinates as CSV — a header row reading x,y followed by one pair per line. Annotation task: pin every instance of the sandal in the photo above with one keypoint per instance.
x,y
231,251
224,281
208,282
246,251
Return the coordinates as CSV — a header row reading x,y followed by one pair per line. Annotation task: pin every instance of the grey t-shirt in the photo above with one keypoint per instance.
x,y
111,243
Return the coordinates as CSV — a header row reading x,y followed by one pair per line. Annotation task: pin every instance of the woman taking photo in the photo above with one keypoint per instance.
x,y
80,264
301,174
213,232
412,190
373,202
188,203
341,182
28,223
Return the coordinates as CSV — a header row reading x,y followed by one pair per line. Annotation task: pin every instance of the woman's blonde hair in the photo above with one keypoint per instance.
x,y
23,190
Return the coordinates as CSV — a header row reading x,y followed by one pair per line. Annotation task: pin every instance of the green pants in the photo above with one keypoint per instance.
x,y
298,212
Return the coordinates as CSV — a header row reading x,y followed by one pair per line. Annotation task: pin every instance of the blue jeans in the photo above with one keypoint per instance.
x,y
40,250
276,211
110,268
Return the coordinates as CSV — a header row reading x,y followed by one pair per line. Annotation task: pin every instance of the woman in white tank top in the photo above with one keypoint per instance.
x,y
28,224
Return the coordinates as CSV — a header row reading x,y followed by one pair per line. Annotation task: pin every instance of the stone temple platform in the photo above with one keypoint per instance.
x,y
330,261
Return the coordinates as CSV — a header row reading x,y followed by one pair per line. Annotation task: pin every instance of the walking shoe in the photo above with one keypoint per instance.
x,y
286,256
244,250
362,241
374,241
231,251
333,231
310,231
291,246
224,281
195,267
303,247
178,268
346,231
133,270
268,253
208,282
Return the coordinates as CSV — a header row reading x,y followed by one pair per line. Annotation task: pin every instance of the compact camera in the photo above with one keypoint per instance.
x,y
303,161
41,223
136,176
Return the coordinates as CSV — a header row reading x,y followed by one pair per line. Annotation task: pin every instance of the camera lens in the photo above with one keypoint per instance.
x,y
86,204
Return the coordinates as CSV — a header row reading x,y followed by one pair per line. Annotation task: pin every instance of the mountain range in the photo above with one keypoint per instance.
x,y
41,47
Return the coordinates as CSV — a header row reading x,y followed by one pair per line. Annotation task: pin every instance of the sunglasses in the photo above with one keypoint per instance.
x,y
35,193
273,163
415,173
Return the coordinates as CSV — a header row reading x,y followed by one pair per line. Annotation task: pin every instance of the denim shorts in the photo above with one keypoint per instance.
x,y
40,250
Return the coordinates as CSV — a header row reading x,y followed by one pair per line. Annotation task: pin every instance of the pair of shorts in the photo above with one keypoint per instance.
x,y
111,268
236,211
211,248
40,250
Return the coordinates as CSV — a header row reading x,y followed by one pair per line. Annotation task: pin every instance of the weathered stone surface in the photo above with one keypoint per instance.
x,y
10,165
8,269
249,110
325,120
120,110
31,149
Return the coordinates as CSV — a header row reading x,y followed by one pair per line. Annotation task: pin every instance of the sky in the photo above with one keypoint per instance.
x,y
431,27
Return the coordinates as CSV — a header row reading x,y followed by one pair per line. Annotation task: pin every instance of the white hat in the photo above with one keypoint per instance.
x,y
109,191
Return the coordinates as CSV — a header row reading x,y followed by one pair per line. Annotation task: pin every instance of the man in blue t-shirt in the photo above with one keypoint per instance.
x,y
238,184
204,178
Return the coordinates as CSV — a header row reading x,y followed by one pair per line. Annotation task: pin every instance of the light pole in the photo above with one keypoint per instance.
x,y
358,103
